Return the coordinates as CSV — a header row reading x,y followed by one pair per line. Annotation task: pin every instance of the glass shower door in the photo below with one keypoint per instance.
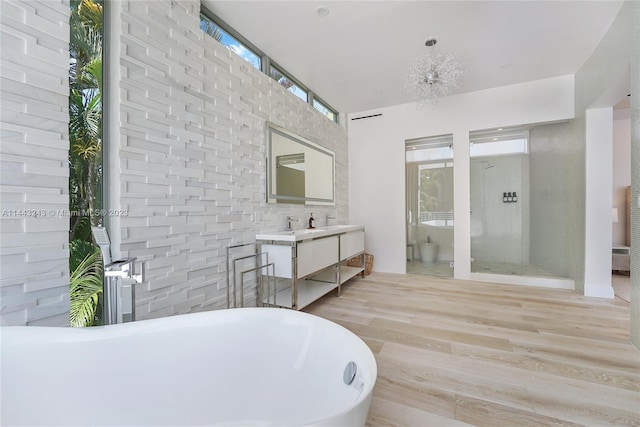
x,y
499,204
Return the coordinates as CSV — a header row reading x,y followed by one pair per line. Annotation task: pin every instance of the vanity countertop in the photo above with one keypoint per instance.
x,y
306,234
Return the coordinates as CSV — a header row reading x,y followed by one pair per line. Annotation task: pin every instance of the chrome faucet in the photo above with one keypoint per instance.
x,y
291,219
118,305
118,276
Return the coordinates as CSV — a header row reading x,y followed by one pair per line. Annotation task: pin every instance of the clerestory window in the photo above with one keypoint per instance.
x,y
241,49
230,38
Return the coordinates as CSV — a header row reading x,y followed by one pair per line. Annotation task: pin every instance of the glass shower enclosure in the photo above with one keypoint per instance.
x,y
499,201
510,202
521,199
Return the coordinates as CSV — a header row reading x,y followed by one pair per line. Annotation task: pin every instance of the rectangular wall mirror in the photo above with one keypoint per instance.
x,y
298,171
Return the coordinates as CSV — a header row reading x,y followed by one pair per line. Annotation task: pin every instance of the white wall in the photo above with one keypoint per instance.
x,y
600,84
599,134
377,199
190,161
34,194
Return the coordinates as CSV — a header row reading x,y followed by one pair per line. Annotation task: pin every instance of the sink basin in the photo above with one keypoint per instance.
x,y
306,231
304,234
337,227
326,228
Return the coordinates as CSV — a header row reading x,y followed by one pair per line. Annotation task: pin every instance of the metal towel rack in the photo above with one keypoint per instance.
x,y
265,281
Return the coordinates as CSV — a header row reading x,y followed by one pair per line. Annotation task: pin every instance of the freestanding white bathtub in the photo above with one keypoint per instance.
x,y
240,367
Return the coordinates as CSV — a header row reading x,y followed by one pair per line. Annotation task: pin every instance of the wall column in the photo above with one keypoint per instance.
x,y
461,206
598,171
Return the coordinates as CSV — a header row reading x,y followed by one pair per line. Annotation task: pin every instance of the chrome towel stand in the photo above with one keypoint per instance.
x,y
261,267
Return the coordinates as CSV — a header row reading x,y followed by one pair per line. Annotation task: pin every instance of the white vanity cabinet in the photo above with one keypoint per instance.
x,y
351,244
316,254
312,261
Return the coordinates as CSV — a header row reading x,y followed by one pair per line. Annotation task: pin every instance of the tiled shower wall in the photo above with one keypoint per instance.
x,y
34,88
557,176
635,177
192,155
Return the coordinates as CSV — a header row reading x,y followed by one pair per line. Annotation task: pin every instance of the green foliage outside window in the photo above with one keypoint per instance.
x,y
85,159
430,189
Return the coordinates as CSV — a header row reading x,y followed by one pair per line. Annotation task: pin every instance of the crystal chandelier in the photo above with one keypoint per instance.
x,y
433,75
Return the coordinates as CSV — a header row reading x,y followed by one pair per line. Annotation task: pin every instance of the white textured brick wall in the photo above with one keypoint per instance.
x,y
192,154
34,89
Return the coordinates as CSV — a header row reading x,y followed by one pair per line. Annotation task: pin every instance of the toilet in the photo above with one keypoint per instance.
x,y
429,252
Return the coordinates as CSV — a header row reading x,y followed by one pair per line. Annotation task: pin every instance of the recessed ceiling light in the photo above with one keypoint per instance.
x,y
322,11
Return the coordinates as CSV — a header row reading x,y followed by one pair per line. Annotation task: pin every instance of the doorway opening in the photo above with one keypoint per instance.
x,y
429,205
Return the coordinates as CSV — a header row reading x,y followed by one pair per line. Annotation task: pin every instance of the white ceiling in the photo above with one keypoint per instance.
x,y
354,57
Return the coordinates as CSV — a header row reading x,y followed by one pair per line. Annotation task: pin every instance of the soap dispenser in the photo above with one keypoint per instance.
x,y
312,222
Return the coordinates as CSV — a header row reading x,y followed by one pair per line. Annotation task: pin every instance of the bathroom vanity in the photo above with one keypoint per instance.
x,y
311,263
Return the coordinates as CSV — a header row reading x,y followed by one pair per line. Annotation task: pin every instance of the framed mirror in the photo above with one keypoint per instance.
x,y
298,171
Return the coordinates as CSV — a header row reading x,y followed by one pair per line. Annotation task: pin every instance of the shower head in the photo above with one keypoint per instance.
x,y
487,164
484,164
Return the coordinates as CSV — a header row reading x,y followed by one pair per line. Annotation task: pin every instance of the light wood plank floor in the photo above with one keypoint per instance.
x,y
456,353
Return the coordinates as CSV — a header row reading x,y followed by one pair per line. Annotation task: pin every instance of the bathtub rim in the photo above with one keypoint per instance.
x,y
42,334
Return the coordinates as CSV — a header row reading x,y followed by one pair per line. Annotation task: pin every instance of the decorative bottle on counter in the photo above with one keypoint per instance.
x,y
312,222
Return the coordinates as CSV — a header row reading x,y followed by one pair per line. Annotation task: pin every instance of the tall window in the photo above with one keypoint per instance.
x,y
85,159
429,164
435,194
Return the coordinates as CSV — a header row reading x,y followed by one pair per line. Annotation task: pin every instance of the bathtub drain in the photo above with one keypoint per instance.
x,y
350,372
